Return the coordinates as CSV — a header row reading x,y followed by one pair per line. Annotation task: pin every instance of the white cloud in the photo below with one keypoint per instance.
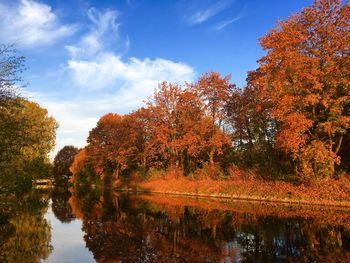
x,y
224,24
108,70
29,23
203,15
104,81
94,66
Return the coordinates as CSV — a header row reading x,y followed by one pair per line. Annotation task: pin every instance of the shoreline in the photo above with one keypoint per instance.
x,y
267,194
340,204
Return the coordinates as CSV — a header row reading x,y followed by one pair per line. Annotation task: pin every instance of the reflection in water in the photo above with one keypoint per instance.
x,y
131,228
60,206
25,234
121,228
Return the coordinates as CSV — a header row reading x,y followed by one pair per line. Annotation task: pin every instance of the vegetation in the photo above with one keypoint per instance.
x,y
61,164
27,135
284,137
27,132
290,122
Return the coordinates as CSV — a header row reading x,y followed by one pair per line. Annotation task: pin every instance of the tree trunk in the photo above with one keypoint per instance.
x,y
211,157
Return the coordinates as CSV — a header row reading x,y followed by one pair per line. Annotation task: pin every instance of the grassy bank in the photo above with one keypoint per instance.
x,y
320,192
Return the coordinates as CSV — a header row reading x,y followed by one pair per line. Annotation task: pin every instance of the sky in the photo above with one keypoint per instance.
x,y
88,58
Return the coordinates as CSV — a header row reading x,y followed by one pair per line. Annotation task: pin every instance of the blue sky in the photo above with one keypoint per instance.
x,y
87,58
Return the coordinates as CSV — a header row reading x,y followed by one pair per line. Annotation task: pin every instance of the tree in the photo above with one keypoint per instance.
x,y
213,91
305,78
11,66
39,130
62,163
27,132
182,132
26,137
250,127
111,145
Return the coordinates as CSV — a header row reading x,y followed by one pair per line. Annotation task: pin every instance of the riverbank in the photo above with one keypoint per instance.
x,y
320,192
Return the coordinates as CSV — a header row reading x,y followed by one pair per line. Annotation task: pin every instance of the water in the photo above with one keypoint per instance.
x,y
88,226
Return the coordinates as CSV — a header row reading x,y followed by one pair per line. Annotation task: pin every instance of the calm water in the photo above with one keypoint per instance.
x,y
88,226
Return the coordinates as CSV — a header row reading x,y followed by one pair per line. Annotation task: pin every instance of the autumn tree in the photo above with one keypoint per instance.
x,y
102,145
11,66
27,132
27,137
78,167
137,127
305,78
115,144
62,163
39,130
182,130
213,90
248,125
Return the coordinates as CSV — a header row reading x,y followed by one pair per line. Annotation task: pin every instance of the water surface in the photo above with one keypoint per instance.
x,y
107,226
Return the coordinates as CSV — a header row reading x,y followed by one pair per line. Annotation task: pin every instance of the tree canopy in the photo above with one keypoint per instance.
x,y
292,118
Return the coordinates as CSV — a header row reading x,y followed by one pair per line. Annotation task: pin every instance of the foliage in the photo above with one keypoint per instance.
x,y
175,132
291,119
25,145
304,77
62,163
27,132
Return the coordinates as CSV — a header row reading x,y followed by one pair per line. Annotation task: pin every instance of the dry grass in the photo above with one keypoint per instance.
x,y
321,192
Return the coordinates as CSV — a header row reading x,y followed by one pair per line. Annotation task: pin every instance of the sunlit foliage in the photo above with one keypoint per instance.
x,y
304,77
27,132
290,122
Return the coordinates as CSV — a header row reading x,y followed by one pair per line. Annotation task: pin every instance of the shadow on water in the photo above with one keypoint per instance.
x,y
159,228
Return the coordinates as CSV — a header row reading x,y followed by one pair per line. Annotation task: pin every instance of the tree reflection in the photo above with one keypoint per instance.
x,y
28,234
60,205
132,229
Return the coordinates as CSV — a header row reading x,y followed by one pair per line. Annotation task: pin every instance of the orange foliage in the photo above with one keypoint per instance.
x,y
293,116
304,76
78,165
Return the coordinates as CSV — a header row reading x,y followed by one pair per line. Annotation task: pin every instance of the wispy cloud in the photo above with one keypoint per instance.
x,y
131,3
94,65
102,34
203,15
225,23
30,23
